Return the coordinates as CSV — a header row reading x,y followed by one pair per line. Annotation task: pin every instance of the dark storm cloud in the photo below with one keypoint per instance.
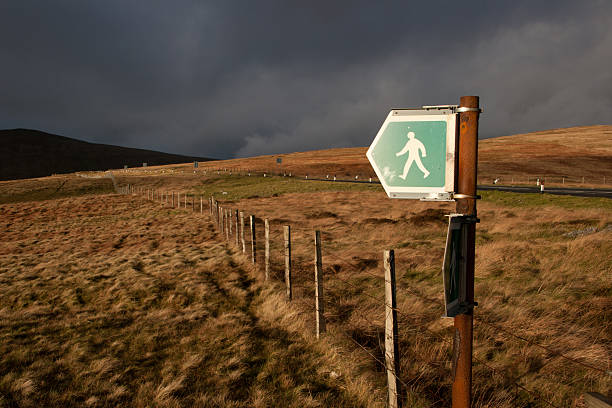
x,y
254,77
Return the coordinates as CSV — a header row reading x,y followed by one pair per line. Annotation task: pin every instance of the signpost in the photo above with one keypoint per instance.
x,y
413,153
431,154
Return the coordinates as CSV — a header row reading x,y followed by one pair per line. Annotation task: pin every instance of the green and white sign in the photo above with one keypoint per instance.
x,y
413,154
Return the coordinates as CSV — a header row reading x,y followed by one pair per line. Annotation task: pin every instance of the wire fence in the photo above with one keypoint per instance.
x,y
364,176
339,309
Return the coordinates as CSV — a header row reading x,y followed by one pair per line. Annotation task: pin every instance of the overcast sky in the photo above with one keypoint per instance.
x,y
239,78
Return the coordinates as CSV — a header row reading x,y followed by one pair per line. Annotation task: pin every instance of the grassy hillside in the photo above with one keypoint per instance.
x,y
118,300
572,153
50,188
30,153
162,313
115,300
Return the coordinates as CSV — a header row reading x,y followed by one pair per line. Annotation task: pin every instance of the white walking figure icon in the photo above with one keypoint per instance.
x,y
413,147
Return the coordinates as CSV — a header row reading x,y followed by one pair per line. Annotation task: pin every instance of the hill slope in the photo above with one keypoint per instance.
x,y
578,151
570,152
30,153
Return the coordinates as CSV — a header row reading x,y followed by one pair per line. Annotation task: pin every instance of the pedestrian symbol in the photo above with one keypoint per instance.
x,y
413,147
413,154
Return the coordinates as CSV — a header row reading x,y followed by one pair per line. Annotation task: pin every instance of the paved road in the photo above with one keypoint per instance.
x,y
579,192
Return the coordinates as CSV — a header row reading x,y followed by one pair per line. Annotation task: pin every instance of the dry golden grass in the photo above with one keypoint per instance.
x,y
53,187
575,152
534,278
112,301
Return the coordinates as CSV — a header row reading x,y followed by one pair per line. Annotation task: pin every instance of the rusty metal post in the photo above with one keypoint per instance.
x,y
466,185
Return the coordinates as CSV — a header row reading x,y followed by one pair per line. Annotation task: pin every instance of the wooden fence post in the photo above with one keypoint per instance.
x,y
227,224
201,206
242,232
219,209
237,230
267,251
230,213
253,248
222,228
319,308
391,333
596,400
185,200
287,236
223,220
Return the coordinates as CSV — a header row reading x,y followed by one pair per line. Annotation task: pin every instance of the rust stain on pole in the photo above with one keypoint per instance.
x,y
466,184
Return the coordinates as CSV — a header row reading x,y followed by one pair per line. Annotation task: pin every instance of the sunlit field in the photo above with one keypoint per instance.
x,y
116,300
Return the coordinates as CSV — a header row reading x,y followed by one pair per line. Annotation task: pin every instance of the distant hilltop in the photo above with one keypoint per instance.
x,y
26,153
